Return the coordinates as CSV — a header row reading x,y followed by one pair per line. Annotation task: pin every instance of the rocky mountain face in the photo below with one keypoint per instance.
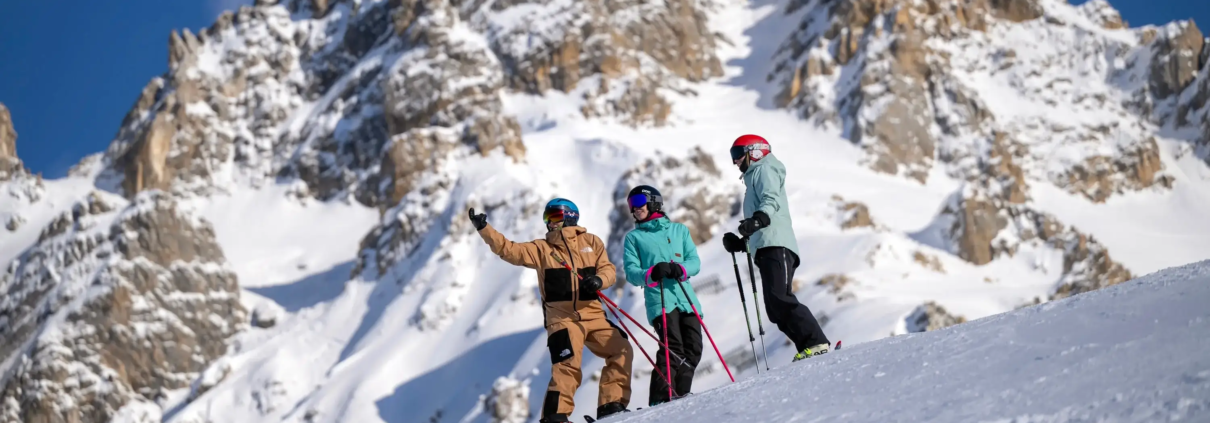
x,y
914,83
946,55
10,165
359,99
111,308
378,102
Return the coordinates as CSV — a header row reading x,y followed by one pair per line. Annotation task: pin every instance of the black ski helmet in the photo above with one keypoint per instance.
x,y
646,194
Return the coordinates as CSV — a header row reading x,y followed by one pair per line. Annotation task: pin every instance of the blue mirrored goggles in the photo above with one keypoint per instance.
x,y
640,200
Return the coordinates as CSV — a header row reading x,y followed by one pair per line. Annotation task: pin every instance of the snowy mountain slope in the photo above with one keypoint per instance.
x,y
1131,352
339,195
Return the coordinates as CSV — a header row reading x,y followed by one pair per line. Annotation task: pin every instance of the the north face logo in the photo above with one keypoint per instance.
x,y
586,250
565,353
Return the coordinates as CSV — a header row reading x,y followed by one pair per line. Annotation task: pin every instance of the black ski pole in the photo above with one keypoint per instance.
x,y
755,297
707,330
739,281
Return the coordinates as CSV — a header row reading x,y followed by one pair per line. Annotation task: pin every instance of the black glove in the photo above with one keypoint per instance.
x,y
591,284
675,271
479,220
733,244
749,226
660,271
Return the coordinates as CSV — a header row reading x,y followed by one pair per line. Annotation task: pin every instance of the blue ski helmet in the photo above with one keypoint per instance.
x,y
561,210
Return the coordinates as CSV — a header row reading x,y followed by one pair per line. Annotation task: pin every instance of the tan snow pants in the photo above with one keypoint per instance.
x,y
566,341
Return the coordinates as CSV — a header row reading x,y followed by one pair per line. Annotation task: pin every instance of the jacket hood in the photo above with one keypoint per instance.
x,y
653,225
770,161
569,232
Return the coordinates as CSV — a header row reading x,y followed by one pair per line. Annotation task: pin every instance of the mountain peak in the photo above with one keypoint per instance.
x,y
10,165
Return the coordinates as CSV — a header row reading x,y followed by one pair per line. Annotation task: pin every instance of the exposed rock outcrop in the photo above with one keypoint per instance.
x,y
852,214
1177,58
836,284
930,316
1101,13
1099,177
158,306
634,48
979,228
10,165
508,402
894,77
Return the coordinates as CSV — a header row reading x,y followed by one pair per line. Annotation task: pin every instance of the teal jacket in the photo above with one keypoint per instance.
x,y
765,181
655,241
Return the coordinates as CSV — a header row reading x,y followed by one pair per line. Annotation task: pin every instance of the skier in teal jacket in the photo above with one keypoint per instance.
x,y
659,256
771,241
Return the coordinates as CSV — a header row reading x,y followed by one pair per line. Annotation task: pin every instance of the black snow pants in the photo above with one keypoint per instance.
x,y
777,266
685,340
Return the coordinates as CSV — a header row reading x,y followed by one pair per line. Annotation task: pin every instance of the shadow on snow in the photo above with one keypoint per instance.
x,y
454,388
309,291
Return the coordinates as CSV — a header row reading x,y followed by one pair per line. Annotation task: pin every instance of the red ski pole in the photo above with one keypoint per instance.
x,y
614,308
667,360
711,338
636,341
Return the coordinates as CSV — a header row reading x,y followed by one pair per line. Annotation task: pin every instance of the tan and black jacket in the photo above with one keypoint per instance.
x,y
562,296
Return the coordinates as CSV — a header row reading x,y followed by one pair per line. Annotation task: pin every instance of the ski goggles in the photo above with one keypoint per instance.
x,y
739,151
558,214
641,199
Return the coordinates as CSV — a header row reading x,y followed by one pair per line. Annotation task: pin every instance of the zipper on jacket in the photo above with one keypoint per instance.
x,y
575,288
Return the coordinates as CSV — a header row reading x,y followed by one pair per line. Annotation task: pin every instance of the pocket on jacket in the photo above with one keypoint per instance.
x,y
587,294
559,344
557,285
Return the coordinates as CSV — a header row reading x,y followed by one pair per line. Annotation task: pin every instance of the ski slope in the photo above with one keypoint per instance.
x,y
1135,352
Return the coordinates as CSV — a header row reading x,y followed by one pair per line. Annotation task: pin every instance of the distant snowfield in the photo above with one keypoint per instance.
x,y
1135,352
270,239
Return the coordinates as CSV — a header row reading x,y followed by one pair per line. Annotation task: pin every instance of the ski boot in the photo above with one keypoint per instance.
x,y
607,410
820,349
555,418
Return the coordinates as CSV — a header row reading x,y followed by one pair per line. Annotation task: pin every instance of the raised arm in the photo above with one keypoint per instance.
x,y
516,253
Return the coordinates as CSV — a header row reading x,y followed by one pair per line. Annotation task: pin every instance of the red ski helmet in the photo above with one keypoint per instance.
x,y
754,147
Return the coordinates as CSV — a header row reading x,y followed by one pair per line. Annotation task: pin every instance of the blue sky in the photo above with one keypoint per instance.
x,y
68,86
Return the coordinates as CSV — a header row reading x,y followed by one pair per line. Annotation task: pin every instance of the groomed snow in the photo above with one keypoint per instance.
x,y
1135,352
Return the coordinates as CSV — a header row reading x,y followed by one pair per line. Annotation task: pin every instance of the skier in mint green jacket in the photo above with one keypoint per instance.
x,y
659,256
772,243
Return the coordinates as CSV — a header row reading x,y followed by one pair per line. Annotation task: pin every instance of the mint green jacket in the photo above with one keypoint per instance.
x,y
661,240
765,181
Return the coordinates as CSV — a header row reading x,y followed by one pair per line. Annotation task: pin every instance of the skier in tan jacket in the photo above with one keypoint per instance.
x,y
574,316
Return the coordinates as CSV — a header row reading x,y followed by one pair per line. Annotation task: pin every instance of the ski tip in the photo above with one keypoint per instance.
x,y
838,344
589,419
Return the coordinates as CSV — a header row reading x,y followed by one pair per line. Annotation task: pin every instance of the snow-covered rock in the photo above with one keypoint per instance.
x,y
10,165
979,228
112,309
508,402
953,65
930,316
